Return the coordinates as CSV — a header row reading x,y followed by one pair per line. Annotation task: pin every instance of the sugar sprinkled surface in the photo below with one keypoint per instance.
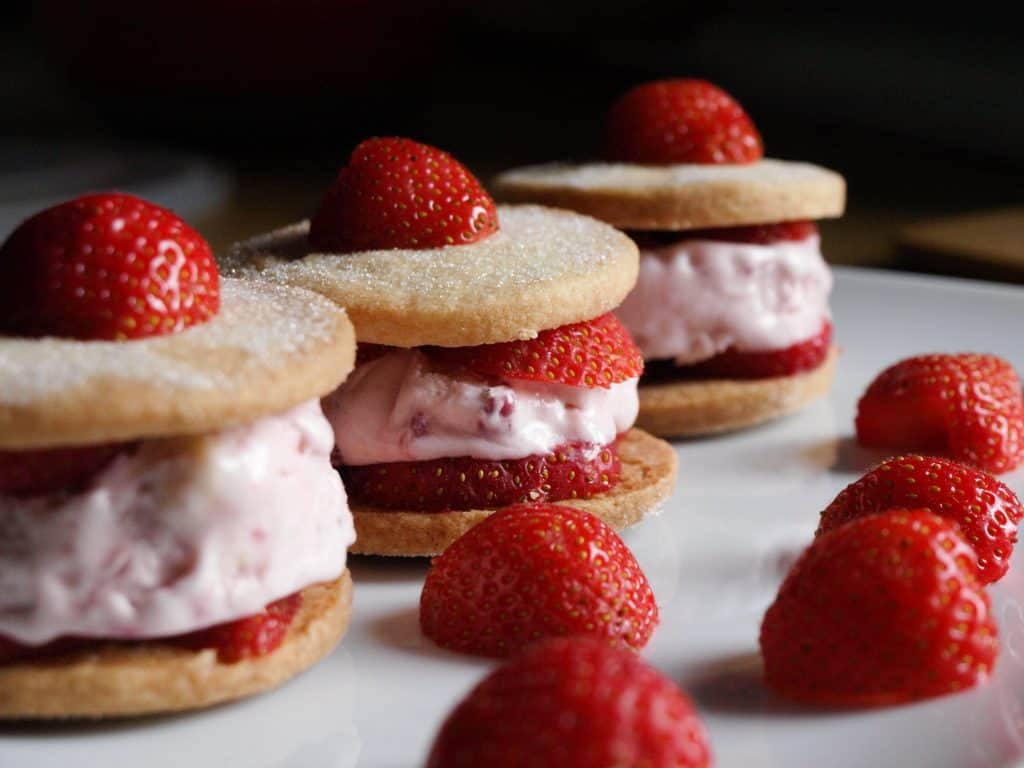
x,y
620,176
534,246
259,328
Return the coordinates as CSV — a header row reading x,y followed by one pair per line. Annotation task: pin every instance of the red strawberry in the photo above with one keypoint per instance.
x,y
985,511
884,609
572,703
756,234
575,471
594,353
53,469
106,266
246,638
732,364
397,193
967,406
680,121
533,571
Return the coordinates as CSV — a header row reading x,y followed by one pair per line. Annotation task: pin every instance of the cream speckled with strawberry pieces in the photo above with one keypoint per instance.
x,y
732,285
146,487
473,321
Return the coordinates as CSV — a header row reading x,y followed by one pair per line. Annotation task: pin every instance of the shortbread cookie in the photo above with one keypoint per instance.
x,y
268,349
542,269
690,408
680,197
648,476
125,680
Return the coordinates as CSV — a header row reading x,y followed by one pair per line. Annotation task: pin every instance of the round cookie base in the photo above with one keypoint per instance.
x,y
693,408
124,681
648,476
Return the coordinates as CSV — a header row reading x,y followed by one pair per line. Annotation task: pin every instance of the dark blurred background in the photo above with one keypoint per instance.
x,y
237,113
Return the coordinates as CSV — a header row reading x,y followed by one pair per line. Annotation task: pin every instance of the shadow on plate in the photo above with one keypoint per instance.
x,y
401,630
854,459
734,685
370,569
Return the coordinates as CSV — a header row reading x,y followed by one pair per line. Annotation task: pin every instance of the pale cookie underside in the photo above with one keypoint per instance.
x,y
691,408
648,476
679,197
121,681
543,269
267,350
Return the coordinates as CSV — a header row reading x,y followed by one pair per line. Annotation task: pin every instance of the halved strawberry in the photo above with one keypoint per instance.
x,y
106,266
968,406
574,471
573,703
755,234
681,120
882,610
732,364
398,193
53,469
532,571
594,353
985,511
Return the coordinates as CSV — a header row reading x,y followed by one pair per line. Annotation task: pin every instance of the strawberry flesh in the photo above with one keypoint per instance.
x,y
234,641
397,193
106,266
967,406
53,469
532,571
573,703
680,121
882,610
754,234
573,471
595,353
985,511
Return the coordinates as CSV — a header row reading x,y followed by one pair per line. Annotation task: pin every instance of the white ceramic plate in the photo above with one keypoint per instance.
x,y
745,505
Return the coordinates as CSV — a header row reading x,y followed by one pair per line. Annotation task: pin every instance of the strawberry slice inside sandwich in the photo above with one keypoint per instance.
x,y
186,541
451,428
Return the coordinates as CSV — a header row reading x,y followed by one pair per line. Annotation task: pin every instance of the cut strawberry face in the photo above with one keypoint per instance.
x,y
754,234
882,610
534,571
985,511
106,266
591,354
573,703
577,471
680,121
967,406
397,193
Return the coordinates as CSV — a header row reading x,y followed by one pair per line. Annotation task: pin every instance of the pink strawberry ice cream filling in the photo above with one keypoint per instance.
x,y
399,407
697,298
177,535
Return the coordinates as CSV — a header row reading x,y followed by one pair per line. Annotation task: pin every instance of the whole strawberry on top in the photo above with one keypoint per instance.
x,y
730,310
882,610
967,406
573,703
491,370
534,571
984,510
105,266
397,193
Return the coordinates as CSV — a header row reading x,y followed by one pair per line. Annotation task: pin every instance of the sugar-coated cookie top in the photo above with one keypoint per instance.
x,y
542,269
268,349
687,196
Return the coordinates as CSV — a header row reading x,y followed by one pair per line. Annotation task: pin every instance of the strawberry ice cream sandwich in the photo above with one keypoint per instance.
x,y
490,369
730,308
172,532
